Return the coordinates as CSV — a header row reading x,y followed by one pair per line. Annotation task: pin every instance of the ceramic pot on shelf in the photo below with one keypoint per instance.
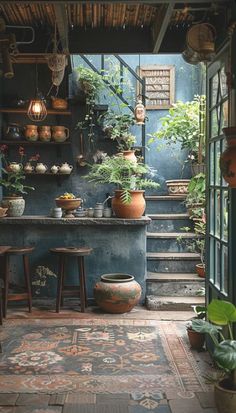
x,y
28,168
41,168
65,168
15,205
45,133
59,103
60,133
31,133
117,293
228,157
13,132
15,167
54,169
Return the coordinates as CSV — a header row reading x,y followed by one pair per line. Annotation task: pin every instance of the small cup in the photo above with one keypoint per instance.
x,y
107,212
99,205
56,212
98,213
90,212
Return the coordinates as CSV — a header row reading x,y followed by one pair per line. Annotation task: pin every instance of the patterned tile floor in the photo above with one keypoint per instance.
x,y
164,399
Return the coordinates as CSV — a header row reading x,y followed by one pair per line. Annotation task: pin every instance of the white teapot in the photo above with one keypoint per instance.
x,y
15,167
28,168
54,169
41,168
65,168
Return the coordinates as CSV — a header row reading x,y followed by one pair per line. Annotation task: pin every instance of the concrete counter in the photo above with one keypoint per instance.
x,y
119,245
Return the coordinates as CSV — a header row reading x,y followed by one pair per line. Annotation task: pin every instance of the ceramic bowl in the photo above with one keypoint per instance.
x,y
68,204
3,212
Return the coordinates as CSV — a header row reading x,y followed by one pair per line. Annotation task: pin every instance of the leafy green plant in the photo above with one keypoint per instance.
x,y
116,126
13,182
185,124
220,314
125,174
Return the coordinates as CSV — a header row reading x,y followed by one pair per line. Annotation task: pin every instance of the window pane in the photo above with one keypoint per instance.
x,y
214,90
225,282
212,212
217,164
212,163
212,260
223,83
224,145
225,216
225,115
217,213
214,123
217,264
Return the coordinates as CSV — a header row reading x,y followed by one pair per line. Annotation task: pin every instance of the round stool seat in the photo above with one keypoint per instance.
x,y
76,251
20,250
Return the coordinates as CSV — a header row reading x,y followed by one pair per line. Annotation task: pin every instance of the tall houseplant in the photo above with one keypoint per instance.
x,y
222,314
127,175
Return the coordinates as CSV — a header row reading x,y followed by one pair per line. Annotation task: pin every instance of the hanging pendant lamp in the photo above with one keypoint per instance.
x,y
37,110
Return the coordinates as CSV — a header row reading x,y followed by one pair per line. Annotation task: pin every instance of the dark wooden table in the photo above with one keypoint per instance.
x,y
3,249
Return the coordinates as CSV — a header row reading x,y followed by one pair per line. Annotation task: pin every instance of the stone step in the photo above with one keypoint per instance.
x,y
173,284
169,303
169,241
169,222
168,203
176,262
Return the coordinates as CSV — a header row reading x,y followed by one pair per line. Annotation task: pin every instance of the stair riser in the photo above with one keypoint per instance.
x,y
169,306
167,245
157,207
180,266
169,225
173,288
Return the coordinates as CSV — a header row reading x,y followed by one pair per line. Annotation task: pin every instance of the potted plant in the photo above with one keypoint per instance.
x,y
185,124
196,196
12,180
127,175
221,314
196,339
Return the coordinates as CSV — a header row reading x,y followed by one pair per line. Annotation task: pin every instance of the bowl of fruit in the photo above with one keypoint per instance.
x,y
68,202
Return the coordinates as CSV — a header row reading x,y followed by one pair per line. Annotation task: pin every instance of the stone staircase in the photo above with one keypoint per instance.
x,y
172,283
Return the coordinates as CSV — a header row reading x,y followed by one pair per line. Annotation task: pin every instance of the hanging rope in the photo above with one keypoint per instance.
x,y
56,63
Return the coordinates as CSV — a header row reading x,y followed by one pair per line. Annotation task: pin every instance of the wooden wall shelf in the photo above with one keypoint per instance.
x,y
24,111
38,143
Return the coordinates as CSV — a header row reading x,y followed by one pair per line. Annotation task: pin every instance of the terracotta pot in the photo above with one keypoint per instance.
x,y
45,133
130,155
224,397
178,187
200,269
196,339
198,168
31,133
15,205
134,209
117,293
59,103
60,133
228,157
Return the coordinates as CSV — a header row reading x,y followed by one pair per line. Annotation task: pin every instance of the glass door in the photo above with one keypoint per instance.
x,y
218,271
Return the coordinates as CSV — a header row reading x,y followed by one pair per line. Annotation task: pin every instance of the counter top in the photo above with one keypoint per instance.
x,y
44,220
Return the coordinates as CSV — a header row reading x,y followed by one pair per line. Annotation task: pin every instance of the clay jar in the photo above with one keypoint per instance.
x,y
31,133
60,133
228,157
45,133
117,293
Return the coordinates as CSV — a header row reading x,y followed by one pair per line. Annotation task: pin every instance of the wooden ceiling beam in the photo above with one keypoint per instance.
x,y
148,2
161,24
62,25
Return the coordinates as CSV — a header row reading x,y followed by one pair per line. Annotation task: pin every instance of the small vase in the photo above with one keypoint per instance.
x,y
228,157
15,205
130,155
117,293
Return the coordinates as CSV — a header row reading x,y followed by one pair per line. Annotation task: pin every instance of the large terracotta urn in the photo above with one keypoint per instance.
x,y
134,209
228,157
117,293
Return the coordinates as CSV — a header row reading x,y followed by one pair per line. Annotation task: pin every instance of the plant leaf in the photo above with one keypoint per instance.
x,y
202,326
225,355
221,312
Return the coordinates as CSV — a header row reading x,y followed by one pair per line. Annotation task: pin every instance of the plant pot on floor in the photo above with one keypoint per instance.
x,y
178,187
15,205
117,293
225,398
196,339
132,210
200,269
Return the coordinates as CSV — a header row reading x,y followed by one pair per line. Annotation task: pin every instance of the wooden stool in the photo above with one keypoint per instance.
x,y
62,290
24,252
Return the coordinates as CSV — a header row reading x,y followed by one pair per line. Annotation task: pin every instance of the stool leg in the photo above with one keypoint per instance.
x,y
60,282
27,280
82,283
6,282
